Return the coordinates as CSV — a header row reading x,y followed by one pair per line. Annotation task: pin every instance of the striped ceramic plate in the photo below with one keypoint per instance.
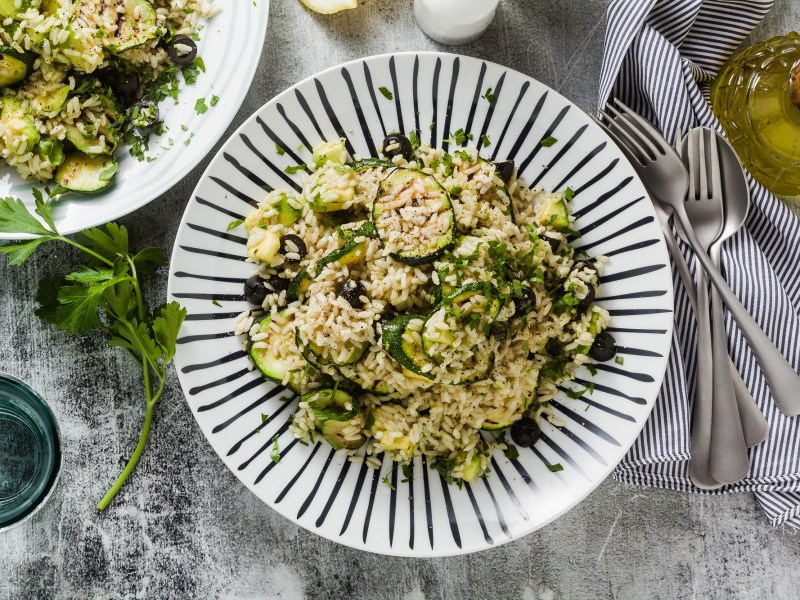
x,y
237,30
384,510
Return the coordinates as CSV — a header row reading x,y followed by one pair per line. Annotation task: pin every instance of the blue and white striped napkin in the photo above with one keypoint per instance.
x,y
659,57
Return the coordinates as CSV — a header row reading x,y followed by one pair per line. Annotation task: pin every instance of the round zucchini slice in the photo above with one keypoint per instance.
x,y
86,174
414,216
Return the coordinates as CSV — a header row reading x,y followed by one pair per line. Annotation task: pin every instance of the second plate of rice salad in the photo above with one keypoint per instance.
x,y
422,302
78,78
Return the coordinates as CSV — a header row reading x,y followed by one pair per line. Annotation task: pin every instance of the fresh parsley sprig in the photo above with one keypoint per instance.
x,y
105,293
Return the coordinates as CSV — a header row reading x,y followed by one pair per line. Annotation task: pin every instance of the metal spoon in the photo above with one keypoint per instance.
x,y
736,204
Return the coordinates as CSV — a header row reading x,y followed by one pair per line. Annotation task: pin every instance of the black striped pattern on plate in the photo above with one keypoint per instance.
x,y
245,418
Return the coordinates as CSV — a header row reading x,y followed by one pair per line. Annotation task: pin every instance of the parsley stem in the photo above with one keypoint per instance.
x,y
114,490
84,249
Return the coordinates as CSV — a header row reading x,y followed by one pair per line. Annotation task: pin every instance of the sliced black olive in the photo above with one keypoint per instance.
x,y
143,114
397,144
554,243
525,304
352,290
505,168
553,347
277,284
181,50
583,265
293,248
587,301
525,432
499,331
124,85
255,292
604,347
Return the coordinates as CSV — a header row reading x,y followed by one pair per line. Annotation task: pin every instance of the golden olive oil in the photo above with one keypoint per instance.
x,y
756,97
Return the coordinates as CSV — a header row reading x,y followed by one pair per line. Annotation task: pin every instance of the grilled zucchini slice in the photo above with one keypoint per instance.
x,y
414,216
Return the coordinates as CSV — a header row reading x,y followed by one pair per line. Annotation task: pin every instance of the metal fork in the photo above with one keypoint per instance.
x,y
728,461
667,180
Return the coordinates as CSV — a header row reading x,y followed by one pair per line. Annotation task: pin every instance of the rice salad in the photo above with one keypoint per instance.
x,y
80,77
422,302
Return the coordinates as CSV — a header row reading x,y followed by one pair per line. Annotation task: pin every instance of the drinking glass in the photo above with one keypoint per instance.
x,y
30,452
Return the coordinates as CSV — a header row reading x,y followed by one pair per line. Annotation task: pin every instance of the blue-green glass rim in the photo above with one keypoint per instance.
x,y
47,480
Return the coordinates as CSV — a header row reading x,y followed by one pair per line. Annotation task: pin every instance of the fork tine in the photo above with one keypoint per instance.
x,y
716,172
645,127
631,126
633,145
691,162
703,158
635,160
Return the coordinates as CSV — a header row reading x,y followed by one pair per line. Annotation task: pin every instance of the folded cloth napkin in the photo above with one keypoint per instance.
x,y
660,56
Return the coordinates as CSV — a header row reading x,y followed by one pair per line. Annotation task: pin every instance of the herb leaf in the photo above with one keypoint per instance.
x,y
548,141
15,218
386,93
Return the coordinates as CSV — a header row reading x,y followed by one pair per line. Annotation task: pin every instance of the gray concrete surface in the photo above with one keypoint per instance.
x,y
185,528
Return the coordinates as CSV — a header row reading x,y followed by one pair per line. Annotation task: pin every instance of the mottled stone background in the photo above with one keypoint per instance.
x,y
186,528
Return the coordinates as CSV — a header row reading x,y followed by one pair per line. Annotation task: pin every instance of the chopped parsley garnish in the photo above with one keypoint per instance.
x,y
485,141
275,455
489,96
512,453
445,466
234,224
200,107
214,100
215,303
188,140
456,190
460,137
264,418
413,136
619,360
569,194
591,368
292,169
108,173
555,468
279,150
548,141
386,93
575,394
408,472
387,482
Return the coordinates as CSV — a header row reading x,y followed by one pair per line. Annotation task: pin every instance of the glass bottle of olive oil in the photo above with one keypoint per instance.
x,y
756,97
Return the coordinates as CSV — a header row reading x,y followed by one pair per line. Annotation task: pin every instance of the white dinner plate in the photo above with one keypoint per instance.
x,y
313,486
230,46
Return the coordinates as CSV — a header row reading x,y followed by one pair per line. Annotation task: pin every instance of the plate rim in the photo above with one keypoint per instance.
x,y
660,369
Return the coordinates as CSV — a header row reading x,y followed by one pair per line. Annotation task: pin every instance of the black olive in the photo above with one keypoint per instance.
x,y
277,284
293,248
604,347
181,50
255,292
587,301
505,168
143,114
525,304
352,290
555,244
124,85
397,144
525,432
499,331
583,265
553,347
